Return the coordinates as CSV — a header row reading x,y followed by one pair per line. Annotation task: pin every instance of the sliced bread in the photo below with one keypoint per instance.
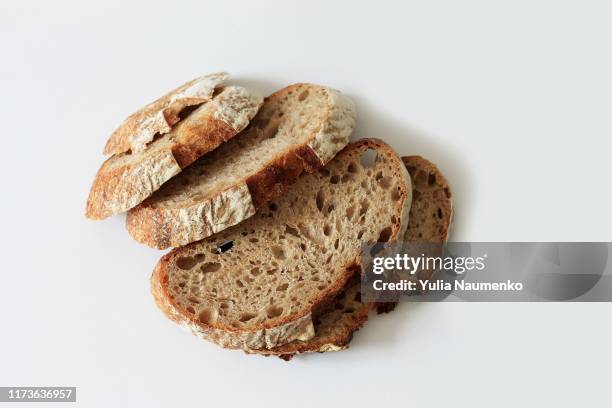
x,y
158,117
290,259
429,221
299,128
127,178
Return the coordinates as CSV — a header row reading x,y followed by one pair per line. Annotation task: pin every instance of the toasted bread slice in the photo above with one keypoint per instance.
x,y
299,128
126,179
429,221
291,258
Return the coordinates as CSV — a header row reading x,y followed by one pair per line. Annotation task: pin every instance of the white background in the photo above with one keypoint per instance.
x,y
511,99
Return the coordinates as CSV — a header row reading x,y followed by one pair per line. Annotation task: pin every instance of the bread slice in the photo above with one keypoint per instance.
x,y
299,128
429,221
432,202
291,258
158,117
126,179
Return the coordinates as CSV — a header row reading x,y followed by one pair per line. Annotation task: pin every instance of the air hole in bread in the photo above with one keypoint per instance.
x,y
274,311
246,316
321,287
350,211
273,207
190,309
324,172
360,234
255,271
320,199
379,175
253,240
278,252
207,316
447,192
282,287
210,267
348,310
303,95
385,234
336,244
353,168
432,179
368,158
326,230
193,299
335,179
239,283
364,207
185,263
292,231
385,182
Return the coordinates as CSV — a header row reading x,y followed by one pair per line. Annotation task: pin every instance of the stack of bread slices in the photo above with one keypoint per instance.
x,y
267,206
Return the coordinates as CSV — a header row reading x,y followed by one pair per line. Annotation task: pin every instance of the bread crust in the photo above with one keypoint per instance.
x,y
162,228
298,325
121,184
159,116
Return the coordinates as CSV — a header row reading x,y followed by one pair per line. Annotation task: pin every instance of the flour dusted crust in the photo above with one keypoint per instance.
x,y
335,132
192,263
126,179
158,117
179,224
186,224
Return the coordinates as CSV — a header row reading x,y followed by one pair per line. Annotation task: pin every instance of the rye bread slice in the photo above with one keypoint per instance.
x,y
126,179
291,258
298,129
158,117
429,221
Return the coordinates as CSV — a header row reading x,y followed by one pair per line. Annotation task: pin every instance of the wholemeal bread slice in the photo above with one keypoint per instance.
x,y
291,258
126,179
431,213
158,117
432,202
299,128
429,221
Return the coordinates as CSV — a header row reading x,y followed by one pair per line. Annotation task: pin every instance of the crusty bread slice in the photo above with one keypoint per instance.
x,y
126,179
158,117
291,258
429,221
299,128
432,206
